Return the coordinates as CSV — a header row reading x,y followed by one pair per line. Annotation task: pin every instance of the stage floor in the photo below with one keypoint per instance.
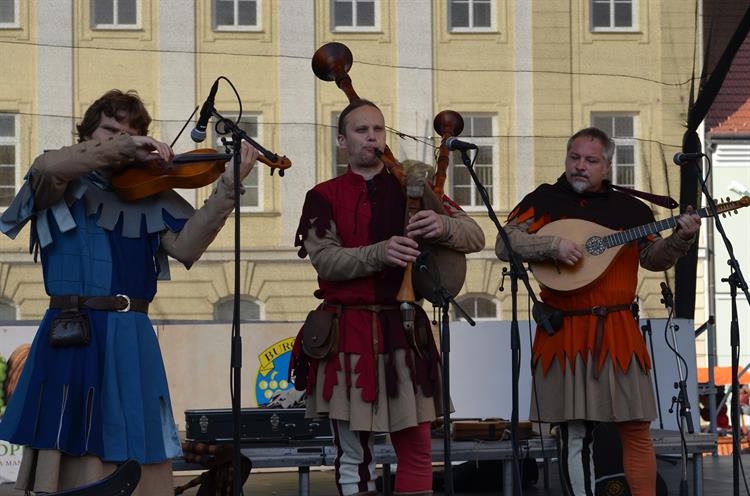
x,y
717,481
717,471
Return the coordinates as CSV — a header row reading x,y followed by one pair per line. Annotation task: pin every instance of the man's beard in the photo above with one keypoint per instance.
x,y
579,186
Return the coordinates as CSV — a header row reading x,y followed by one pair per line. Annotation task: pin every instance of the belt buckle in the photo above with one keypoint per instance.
x,y
595,310
127,303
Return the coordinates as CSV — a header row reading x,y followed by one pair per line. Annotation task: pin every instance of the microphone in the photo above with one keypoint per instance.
x,y
454,143
683,158
199,133
666,294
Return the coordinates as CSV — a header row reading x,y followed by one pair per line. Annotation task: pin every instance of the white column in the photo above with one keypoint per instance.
x,y
524,117
54,75
414,92
177,77
296,110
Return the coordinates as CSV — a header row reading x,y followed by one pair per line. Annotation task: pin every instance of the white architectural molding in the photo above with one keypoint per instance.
x,y
54,75
524,117
414,87
177,95
296,109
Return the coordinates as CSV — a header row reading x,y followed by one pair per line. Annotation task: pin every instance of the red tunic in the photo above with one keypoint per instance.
x,y
363,215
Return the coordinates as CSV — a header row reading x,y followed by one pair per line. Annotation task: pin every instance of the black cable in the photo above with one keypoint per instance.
x,y
360,62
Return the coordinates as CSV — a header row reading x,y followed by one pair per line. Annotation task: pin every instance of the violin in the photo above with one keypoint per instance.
x,y
193,169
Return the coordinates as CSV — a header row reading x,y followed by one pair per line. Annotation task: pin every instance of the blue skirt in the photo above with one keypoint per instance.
x,y
109,398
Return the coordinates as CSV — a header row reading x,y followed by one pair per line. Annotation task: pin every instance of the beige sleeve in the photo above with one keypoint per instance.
x,y
53,170
662,253
461,233
336,263
201,229
530,247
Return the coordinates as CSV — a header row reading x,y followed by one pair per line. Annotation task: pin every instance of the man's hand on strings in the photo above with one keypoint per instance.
x,y
145,146
248,156
688,224
425,224
568,252
399,250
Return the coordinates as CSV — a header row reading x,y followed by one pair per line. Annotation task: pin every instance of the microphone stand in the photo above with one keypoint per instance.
x,y
442,298
735,280
517,271
236,353
684,416
646,328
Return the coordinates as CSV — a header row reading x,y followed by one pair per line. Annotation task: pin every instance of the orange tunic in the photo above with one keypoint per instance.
x,y
621,338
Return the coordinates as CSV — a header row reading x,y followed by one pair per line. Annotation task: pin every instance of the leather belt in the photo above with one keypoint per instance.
x,y
116,303
601,313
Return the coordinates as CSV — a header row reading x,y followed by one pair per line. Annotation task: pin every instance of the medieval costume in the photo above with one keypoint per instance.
x,y
595,368
81,409
378,379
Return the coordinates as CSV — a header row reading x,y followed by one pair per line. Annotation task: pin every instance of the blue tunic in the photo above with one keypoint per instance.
x,y
109,398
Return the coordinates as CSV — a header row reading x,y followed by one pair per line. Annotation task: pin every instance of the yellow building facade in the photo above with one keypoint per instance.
x,y
524,75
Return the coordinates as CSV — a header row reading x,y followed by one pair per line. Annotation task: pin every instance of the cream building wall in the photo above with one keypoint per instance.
x,y
538,71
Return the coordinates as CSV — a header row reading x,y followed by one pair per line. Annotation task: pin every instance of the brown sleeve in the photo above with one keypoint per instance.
x,y
662,253
461,233
201,229
336,263
53,170
530,247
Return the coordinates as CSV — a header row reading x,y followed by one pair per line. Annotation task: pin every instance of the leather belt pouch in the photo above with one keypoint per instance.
x,y
541,311
320,334
69,328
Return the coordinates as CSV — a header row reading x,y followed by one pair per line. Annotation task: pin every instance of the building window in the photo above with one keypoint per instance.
x,y
249,310
236,15
612,15
115,14
340,157
8,311
470,15
9,14
463,191
621,127
478,307
9,157
252,199
355,15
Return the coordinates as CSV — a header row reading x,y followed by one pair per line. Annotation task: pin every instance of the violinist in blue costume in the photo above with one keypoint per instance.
x,y
81,409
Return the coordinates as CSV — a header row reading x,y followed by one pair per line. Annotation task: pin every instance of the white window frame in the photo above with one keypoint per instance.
x,y
230,301
624,141
472,311
476,204
471,28
16,142
354,28
611,27
116,25
16,23
238,27
258,169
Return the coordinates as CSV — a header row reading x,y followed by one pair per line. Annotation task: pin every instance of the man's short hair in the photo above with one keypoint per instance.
x,y
119,106
595,133
353,105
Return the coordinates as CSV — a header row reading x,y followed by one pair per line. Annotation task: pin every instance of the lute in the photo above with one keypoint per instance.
x,y
601,246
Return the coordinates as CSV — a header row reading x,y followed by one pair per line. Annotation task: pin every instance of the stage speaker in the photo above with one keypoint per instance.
x,y
610,475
